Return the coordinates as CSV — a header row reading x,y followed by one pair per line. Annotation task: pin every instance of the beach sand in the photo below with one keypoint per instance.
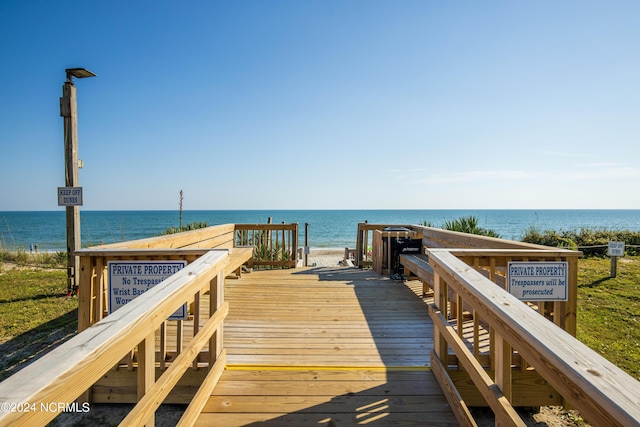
x,y
325,257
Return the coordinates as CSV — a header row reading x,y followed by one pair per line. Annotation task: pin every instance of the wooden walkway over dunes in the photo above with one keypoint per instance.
x,y
311,345
322,346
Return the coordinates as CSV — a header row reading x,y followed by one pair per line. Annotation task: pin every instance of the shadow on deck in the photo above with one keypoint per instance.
x,y
322,345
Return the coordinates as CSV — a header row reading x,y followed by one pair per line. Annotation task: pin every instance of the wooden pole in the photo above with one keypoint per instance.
x,y
306,244
614,267
69,112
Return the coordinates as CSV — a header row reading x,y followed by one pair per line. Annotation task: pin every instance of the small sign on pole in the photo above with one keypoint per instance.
x,y
615,249
69,196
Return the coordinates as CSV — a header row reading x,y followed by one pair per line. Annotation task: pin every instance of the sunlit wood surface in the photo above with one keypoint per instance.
x,y
314,345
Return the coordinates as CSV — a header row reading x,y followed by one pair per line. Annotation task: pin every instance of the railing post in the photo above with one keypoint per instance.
x,y
216,298
294,247
85,288
359,246
99,290
146,369
196,324
503,365
440,290
571,306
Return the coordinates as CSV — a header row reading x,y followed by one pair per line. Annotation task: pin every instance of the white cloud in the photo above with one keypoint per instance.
x,y
471,176
582,172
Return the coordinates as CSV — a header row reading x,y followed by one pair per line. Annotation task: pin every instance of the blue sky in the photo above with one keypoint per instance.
x,y
325,104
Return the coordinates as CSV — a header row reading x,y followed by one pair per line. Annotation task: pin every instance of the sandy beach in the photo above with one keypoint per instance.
x,y
325,257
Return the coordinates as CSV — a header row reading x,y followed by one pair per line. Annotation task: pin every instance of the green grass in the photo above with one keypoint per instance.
x,y
35,315
609,310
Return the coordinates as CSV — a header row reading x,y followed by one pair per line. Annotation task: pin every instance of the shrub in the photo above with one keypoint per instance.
x,y
469,224
191,226
590,242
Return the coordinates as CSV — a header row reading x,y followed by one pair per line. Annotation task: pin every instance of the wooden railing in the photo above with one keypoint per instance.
x,y
187,246
117,357
490,348
52,383
487,340
275,245
120,384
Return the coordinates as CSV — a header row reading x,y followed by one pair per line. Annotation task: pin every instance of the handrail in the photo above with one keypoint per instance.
x,y
599,390
64,374
434,238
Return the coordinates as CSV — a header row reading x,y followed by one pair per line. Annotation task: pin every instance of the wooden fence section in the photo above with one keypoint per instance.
x,y
64,374
275,245
521,341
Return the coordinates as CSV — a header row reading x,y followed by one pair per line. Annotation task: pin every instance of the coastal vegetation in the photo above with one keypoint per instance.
x,y
466,224
590,242
191,226
39,259
180,228
265,248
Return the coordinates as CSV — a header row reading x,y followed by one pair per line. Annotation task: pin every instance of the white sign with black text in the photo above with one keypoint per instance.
x,y
615,249
69,196
130,279
538,281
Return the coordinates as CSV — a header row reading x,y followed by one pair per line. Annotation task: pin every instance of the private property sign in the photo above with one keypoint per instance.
x,y
538,281
130,279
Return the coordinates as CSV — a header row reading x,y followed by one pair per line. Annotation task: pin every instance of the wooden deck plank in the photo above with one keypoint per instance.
x,y
311,345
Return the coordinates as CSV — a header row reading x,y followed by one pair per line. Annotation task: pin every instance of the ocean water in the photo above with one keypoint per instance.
x,y
327,228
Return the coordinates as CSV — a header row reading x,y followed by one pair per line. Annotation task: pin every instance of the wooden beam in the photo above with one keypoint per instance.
x,y
194,409
460,409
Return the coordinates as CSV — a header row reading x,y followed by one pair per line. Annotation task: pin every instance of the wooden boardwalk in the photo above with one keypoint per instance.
x,y
315,345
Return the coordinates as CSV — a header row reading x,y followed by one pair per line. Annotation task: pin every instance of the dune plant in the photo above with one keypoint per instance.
x,y
469,224
264,246
191,226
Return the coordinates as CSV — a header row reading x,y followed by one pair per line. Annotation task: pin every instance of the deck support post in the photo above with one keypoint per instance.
x,y
146,368
216,296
